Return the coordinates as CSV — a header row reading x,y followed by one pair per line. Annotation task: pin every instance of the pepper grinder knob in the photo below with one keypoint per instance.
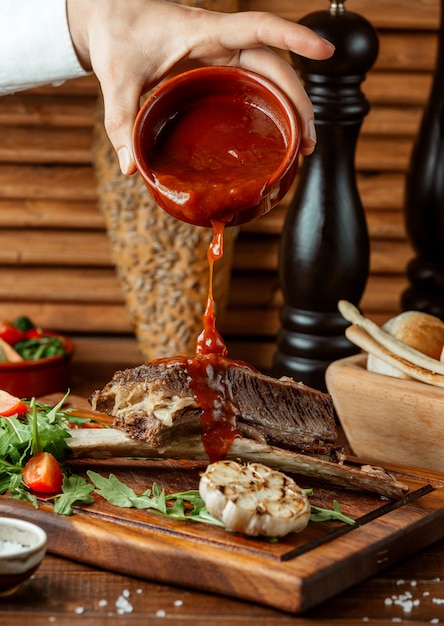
x,y
336,7
324,250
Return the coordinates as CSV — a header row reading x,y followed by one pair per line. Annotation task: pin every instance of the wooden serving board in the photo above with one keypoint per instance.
x,y
294,574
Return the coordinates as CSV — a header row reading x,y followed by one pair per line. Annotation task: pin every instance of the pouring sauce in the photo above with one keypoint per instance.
x,y
211,161
207,372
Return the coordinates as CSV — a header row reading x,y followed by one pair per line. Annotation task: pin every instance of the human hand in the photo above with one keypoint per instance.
x,y
131,46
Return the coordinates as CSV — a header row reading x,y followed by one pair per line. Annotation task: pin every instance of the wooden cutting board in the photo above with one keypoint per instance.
x,y
294,574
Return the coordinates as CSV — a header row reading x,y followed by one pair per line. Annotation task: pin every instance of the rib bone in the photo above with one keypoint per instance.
x,y
112,443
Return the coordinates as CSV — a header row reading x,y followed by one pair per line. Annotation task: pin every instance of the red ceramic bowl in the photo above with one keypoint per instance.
x,y
27,379
203,90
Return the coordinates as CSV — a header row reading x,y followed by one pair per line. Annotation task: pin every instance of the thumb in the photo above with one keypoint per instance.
x,y
121,106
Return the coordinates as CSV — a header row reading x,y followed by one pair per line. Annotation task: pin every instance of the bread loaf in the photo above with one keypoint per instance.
x,y
421,331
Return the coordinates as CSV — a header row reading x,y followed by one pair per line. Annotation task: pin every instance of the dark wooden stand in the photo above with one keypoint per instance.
x,y
424,205
324,254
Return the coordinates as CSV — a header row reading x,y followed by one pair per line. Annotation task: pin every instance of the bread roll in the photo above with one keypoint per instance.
x,y
421,331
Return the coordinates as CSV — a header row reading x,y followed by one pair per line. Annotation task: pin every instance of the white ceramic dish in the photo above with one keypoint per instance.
x,y
22,548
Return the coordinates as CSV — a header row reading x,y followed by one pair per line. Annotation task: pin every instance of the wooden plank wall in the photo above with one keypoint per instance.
x,y
55,263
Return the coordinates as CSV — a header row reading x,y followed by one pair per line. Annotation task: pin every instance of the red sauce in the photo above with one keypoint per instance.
x,y
210,340
207,372
214,158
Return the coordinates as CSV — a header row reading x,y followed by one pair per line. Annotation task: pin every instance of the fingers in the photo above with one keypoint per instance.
x,y
268,30
249,36
259,33
273,67
207,37
121,106
254,29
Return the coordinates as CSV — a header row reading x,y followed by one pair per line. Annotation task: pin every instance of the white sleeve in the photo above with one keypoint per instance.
x,y
35,45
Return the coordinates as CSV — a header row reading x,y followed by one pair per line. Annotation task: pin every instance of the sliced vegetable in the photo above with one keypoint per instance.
x,y
34,333
43,474
10,333
10,405
254,499
8,353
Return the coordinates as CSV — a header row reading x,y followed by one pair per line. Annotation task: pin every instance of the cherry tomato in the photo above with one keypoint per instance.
x,y
10,333
43,474
10,405
34,333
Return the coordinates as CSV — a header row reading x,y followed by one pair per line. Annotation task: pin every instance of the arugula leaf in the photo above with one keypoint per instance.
x,y
74,489
322,515
54,413
42,428
119,494
15,439
35,441
18,490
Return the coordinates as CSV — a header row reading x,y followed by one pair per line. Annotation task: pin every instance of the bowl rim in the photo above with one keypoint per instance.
x,y
37,531
195,76
45,361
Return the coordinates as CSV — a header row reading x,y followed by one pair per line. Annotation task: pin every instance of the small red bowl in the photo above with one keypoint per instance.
x,y
28,379
186,91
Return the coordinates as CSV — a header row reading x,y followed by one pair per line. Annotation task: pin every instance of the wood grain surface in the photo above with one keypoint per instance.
x,y
294,574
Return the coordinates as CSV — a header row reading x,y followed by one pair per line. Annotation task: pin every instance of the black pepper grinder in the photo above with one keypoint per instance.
x,y
424,201
324,250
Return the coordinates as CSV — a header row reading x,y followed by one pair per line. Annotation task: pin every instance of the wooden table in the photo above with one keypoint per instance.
x,y
62,592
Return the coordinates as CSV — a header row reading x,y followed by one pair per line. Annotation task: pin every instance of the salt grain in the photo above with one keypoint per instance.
x,y
161,613
79,610
10,547
178,602
404,600
103,602
123,606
